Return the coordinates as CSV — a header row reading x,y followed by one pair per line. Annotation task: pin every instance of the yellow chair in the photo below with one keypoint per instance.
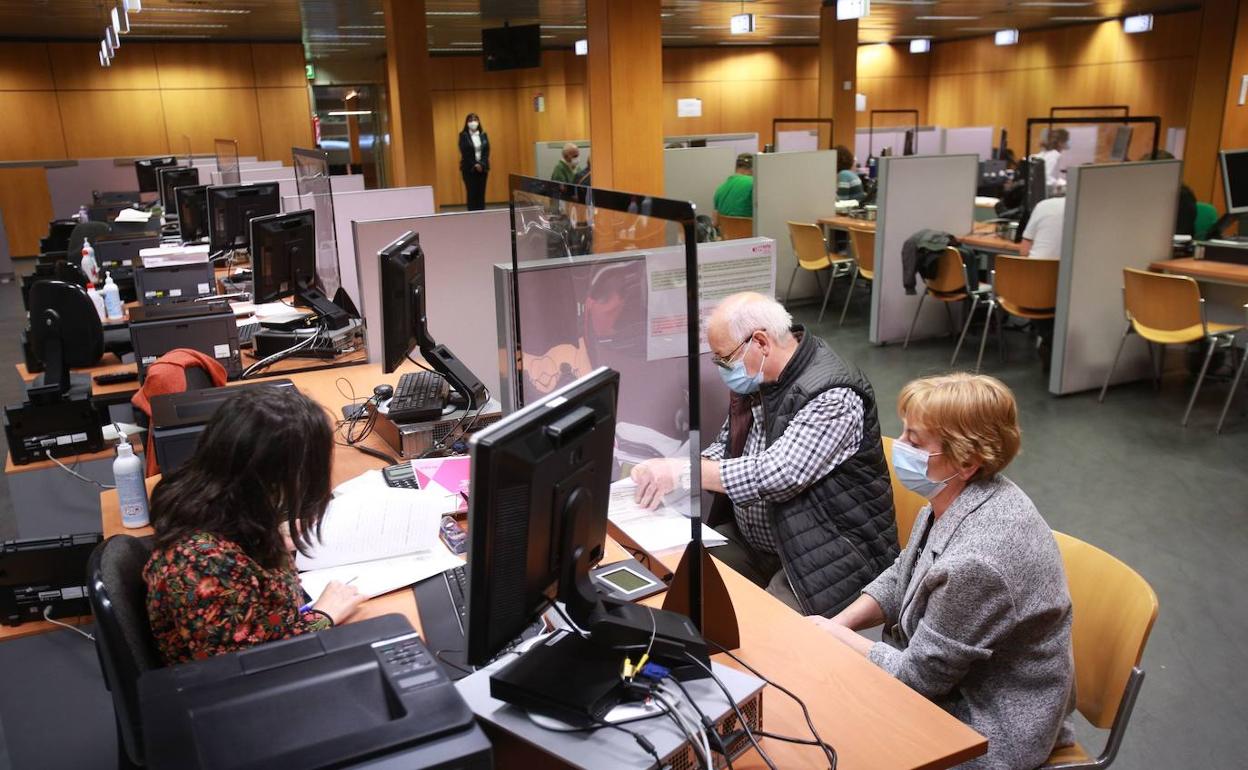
x,y
732,228
1114,611
863,244
951,284
1168,310
1239,373
1023,287
906,504
810,249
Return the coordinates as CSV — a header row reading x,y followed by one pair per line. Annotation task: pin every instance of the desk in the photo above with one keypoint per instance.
x,y
873,720
1205,270
842,222
989,242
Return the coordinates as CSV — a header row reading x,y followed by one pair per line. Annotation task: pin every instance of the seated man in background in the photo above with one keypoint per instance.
x,y
1042,238
735,197
804,495
565,169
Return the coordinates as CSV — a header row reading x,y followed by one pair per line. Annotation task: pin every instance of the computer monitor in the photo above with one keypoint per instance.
x,y
145,170
192,205
1235,180
1122,143
404,323
171,178
231,209
283,263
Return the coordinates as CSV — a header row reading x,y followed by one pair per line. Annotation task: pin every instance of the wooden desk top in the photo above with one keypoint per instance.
x,y
1205,270
872,719
39,627
990,241
842,222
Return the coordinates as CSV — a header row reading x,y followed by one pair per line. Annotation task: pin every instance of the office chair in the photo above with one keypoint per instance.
x,y
1239,374
863,244
123,636
811,250
57,238
1023,287
732,228
1113,613
81,232
65,332
952,283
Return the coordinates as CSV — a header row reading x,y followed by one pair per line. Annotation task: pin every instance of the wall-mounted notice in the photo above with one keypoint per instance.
x,y
723,268
688,108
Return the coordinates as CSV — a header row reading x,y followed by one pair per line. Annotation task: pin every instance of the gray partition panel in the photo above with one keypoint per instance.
x,y
792,186
71,186
916,193
460,249
1117,215
694,173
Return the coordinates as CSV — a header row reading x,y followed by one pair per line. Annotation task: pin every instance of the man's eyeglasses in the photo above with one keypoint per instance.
x,y
725,362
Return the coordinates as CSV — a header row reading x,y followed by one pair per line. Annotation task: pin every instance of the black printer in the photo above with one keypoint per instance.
x,y
179,418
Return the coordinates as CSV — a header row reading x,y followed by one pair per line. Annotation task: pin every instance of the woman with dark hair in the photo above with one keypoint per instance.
x,y
848,184
221,577
474,160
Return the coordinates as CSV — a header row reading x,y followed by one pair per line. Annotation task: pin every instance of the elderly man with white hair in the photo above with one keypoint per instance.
x,y
565,168
804,495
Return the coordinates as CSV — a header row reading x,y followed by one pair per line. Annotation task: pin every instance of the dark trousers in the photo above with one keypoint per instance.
x,y
474,183
761,569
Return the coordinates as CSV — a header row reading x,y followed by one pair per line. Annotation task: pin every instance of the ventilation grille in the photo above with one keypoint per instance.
x,y
685,758
507,588
444,428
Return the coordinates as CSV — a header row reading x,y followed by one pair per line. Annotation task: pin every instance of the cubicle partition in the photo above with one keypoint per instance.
x,y
71,186
805,140
740,143
694,173
917,192
1117,215
976,140
793,186
930,141
460,249
547,154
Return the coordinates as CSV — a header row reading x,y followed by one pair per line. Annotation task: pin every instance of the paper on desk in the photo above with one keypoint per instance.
x,y
133,215
368,480
662,529
374,524
381,576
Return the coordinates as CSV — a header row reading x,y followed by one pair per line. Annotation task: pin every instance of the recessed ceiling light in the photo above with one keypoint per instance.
x,y
1141,23
946,18
922,45
171,9
174,25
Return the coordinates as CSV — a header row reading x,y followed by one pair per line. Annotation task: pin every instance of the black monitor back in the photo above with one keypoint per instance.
x,y
283,254
171,178
192,206
231,209
145,170
82,334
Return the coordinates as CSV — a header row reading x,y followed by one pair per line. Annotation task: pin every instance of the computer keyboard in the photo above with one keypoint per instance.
x,y
246,332
442,602
419,397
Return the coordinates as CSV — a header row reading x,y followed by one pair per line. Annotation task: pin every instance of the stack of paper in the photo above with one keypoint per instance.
x,y
163,256
659,530
448,476
133,215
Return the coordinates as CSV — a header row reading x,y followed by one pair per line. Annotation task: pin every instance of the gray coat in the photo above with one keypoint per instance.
x,y
981,617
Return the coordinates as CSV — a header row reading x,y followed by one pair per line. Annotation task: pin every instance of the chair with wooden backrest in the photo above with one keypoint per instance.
x,y
1114,609
863,244
951,284
732,228
811,250
1024,287
1168,310
906,504
1239,375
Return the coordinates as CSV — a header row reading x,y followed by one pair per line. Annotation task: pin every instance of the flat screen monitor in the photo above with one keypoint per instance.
x,y
231,209
1122,143
510,48
192,204
171,178
145,169
283,255
1235,180
537,515
402,299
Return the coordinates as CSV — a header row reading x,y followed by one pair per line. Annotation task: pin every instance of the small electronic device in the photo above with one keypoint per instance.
x,y
45,574
145,170
62,428
174,284
178,419
367,693
400,476
121,252
509,48
207,327
231,209
192,206
420,397
115,378
325,346
171,178
283,264
627,581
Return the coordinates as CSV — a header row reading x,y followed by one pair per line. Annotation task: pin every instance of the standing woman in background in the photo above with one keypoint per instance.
x,y
474,160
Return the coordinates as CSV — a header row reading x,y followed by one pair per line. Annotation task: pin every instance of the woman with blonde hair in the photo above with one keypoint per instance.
x,y
975,609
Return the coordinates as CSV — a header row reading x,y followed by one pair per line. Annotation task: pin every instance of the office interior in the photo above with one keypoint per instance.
x,y
326,138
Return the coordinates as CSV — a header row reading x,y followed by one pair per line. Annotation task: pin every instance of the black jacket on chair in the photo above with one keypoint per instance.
x,y
468,154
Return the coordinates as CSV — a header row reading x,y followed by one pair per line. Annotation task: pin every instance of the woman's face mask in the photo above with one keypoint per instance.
x,y
910,463
473,125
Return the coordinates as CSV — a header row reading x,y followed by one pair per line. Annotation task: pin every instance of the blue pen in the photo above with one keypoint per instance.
x,y
308,606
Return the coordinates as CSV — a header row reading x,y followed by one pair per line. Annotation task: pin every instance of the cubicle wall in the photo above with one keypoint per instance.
x,y
547,154
740,143
797,141
793,186
930,141
1117,215
694,173
977,140
916,192
461,250
71,186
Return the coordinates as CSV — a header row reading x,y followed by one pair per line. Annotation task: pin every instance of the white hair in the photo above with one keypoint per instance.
x,y
570,147
754,312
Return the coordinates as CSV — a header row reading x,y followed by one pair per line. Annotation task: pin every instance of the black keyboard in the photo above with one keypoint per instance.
x,y
247,333
419,397
442,602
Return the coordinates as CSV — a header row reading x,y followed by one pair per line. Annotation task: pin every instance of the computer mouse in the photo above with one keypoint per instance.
x,y
383,392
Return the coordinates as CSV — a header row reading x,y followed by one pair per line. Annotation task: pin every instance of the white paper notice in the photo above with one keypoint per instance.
x,y
724,268
659,530
688,108
374,524
374,578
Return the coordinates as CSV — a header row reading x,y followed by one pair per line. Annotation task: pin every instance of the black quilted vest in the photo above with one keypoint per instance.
x,y
840,533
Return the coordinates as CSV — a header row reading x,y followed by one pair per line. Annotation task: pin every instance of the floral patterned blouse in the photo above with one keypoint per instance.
x,y
206,597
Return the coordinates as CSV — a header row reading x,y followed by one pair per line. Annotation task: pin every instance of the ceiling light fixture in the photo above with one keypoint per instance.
x,y
349,112
121,19
946,18
790,16
581,47
198,9
110,35
1140,23
921,45
1006,37
852,9
134,6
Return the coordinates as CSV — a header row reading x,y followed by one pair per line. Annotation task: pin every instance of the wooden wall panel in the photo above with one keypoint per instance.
x,y
278,65
25,67
206,114
31,129
77,66
285,121
205,65
1234,128
27,208
447,123
893,79
99,124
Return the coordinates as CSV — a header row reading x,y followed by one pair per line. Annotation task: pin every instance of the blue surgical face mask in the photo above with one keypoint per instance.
x,y
910,464
736,378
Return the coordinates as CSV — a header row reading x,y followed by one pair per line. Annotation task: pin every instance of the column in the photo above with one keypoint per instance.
x,y
838,75
625,75
408,74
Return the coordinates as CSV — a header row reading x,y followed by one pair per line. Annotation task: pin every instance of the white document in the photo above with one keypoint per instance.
x,y
163,256
133,215
366,481
374,578
688,108
656,531
375,524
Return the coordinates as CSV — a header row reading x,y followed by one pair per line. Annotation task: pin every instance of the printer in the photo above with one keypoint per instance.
x,y
361,695
179,418
208,327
